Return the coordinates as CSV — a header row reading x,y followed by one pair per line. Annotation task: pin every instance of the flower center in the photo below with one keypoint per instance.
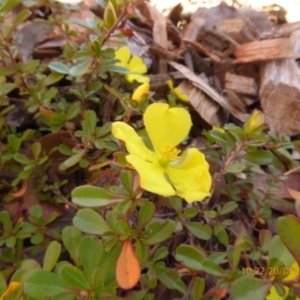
x,y
169,153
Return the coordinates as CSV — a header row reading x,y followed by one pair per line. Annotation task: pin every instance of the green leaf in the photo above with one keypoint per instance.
x,y
6,220
59,67
117,69
21,17
146,214
71,237
159,232
243,242
191,257
265,238
170,279
110,257
90,121
228,207
44,284
221,233
190,212
82,68
51,256
71,161
235,167
160,253
92,196
260,157
249,288
73,277
201,231
109,15
90,253
212,268
52,78
9,4
6,72
6,88
219,136
279,251
288,228
233,255
198,288
142,251
36,149
89,221
127,180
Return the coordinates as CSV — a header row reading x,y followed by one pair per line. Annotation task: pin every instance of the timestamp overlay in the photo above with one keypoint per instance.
x,y
268,270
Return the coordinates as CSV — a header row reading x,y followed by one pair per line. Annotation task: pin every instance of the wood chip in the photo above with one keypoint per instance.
x,y
203,86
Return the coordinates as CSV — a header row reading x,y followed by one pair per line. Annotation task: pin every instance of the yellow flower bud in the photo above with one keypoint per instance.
x,y
140,94
12,287
177,92
255,123
218,128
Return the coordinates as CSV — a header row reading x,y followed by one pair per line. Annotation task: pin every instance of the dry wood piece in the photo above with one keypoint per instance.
x,y
160,35
209,110
280,92
202,85
240,84
203,50
264,50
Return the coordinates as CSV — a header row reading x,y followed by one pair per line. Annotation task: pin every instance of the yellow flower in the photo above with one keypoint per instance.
x,y
12,287
293,274
255,123
218,128
163,171
140,94
177,92
135,65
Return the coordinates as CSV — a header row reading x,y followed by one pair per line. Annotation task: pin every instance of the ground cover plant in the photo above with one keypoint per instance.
x,y
106,192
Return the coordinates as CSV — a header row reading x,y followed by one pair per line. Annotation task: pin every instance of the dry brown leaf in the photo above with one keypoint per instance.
x,y
21,191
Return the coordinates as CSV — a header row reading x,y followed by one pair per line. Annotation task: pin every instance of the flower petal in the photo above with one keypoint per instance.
x,y
190,175
152,176
123,54
166,125
136,65
134,143
140,92
177,91
170,84
137,77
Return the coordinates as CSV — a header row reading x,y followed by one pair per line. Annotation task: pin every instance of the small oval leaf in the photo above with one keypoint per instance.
x,y
128,270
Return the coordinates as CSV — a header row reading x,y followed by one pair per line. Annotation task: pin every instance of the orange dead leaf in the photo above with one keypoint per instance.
x,y
22,190
46,112
293,193
221,293
128,269
296,196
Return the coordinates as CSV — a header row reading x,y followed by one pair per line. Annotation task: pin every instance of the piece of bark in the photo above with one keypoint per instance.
x,y
280,92
160,35
280,30
206,88
240,84
207,109
203,50
265,50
